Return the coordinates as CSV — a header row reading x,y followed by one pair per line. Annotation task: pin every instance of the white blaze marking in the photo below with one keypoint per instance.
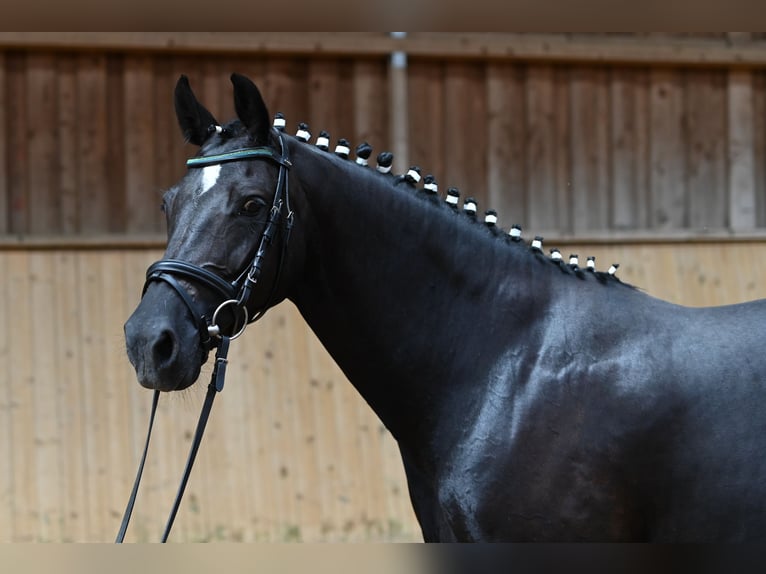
x,y
210,175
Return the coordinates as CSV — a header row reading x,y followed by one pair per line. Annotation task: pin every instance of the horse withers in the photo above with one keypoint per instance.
x,y
531,399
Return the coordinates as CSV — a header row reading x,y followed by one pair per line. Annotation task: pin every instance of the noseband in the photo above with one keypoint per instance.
x,y
236,294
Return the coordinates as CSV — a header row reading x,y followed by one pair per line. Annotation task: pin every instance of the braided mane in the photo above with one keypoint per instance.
x,y
429,191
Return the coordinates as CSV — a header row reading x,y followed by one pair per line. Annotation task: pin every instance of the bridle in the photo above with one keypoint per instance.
x,y
238,292
235,294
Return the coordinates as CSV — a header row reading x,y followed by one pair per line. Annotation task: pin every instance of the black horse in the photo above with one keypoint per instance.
x,y
532,398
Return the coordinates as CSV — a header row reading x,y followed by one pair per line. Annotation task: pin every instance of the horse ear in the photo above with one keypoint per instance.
x,y
251,109
193,118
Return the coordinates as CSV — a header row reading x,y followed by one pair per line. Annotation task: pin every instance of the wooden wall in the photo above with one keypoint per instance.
x,y
291,453
615,137
565,145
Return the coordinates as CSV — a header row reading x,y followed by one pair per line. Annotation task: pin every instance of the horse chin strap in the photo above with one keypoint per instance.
x,y
236,294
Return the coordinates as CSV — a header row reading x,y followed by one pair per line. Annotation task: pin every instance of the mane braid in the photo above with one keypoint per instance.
x,y
494,233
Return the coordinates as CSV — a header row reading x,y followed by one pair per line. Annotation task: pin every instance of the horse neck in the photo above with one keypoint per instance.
x,y
397,288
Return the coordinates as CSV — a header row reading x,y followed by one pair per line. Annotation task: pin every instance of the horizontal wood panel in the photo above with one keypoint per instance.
x,y
292,452
700,49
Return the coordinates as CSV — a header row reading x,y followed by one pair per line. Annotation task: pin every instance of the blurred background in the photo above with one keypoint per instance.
x,y
643,149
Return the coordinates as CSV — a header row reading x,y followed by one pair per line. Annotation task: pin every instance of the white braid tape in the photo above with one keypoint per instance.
x,y
537,244
323,142
432,187
414,175
361,161
490,218
384,168
341,149
469,206
303,135
452,199
279,122
515,232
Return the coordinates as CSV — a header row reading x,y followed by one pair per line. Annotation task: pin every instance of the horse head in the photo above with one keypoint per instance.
x,y
229,221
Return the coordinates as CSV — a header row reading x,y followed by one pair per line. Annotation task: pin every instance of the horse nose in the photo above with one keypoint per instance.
x,y
153,349
164,349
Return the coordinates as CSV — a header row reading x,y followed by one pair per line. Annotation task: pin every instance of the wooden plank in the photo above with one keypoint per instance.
x,y
623,136
465,109
256,367
506,157
69,390
22,386
642,113
581,48
93,144
96,418
116,150
742,203
562,125
322,390
325,104
371,112
45,373
590,149
427,140
43,144
668,169
67,137
6,406
705,104
166,169
286,432
542,196
306,456
284,90
344,112
142,196
5,199
18,153
759,146
117,379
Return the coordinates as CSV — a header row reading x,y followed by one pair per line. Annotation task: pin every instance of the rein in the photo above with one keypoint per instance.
x,y
236,294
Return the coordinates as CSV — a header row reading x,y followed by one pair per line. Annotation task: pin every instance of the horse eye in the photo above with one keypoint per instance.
x,y
252,207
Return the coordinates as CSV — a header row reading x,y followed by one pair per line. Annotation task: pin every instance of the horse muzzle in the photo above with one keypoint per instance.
x,y
163,344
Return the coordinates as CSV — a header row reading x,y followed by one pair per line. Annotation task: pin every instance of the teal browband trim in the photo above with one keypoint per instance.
x,y
237,155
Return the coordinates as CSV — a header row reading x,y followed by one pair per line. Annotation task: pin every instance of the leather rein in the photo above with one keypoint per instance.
x,y
234,294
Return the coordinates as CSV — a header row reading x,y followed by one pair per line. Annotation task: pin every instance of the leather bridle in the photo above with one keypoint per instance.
x,y
236,294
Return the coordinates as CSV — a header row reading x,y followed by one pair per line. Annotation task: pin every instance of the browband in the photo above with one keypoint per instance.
x,y
237,155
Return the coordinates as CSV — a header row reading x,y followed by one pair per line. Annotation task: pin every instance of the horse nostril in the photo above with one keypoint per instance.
x,y
164,348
